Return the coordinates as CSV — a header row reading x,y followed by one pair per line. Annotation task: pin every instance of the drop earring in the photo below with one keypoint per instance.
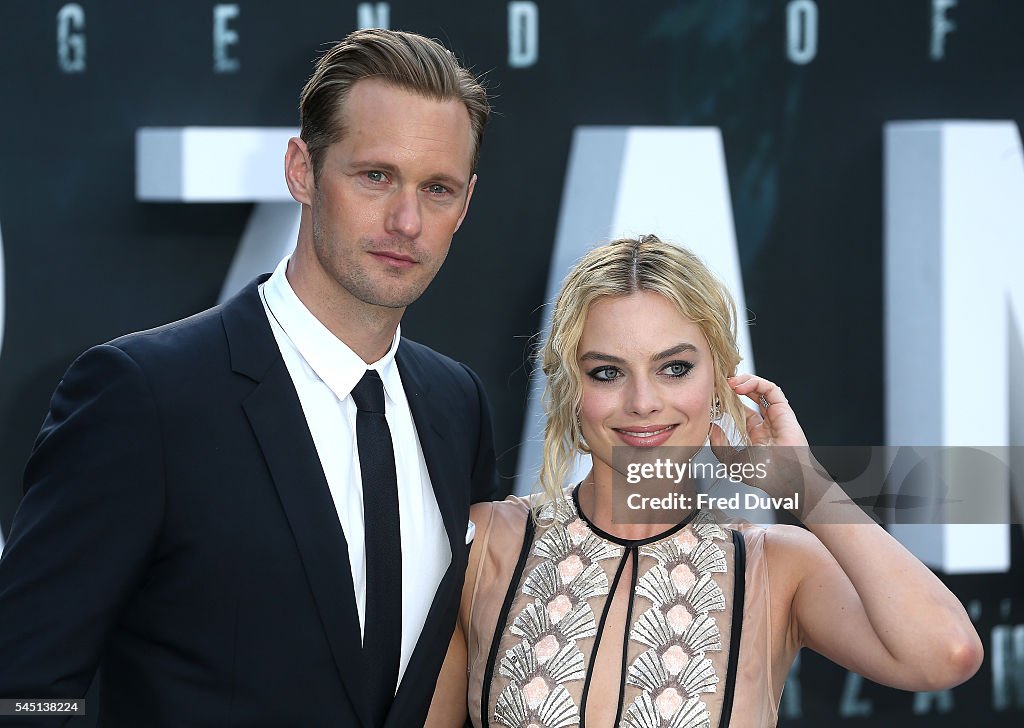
x,y
581,445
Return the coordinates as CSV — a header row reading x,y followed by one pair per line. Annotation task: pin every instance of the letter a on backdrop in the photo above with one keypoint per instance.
x,y
627,181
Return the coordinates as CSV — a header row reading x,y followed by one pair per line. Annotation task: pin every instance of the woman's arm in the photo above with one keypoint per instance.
x,y
858,596
448,706
865,602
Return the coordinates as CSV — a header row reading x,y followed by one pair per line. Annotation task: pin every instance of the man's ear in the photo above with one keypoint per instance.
x,y
465,207
298,171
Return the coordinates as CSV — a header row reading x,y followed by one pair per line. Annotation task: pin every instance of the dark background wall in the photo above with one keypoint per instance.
x,y
85,262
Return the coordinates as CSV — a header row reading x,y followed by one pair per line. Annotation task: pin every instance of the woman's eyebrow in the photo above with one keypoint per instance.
x,y
677,349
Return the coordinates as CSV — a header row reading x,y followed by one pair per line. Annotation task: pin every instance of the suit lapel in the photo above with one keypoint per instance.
x,y
452,493
279,424
432,427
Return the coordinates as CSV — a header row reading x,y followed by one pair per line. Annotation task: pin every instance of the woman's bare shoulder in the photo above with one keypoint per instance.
x,y
491,515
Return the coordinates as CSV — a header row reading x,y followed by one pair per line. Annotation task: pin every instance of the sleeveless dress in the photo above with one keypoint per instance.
x,y
687,645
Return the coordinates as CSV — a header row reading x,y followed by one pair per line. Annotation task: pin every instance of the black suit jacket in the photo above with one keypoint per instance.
x,y
177,531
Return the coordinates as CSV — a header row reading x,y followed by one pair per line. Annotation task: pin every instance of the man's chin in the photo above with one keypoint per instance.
x,y
392,298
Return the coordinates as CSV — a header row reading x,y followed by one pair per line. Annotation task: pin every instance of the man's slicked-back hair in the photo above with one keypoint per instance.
x,y
405,60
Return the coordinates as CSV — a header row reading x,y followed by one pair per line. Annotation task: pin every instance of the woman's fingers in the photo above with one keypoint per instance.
x,y
773,421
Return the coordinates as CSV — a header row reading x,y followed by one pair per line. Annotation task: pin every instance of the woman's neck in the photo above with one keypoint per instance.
x,y
625,517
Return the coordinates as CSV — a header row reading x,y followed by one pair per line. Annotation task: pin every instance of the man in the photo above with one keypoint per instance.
x,y
258,516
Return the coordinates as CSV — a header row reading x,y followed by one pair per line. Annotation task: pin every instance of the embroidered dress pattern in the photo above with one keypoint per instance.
x,y
547,656
678,629
563,591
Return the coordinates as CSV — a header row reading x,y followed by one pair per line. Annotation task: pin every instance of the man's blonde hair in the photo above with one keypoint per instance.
x,y
405,60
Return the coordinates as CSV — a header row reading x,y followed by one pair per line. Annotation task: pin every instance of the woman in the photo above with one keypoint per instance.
x,y
572,617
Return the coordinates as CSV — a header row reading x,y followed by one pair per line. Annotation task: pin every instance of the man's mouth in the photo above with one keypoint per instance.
x,y
399,260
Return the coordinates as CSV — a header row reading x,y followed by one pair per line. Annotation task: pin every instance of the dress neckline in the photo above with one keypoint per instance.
x,y
626,542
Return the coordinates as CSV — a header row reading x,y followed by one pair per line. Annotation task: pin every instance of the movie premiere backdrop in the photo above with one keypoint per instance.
x,y
853,170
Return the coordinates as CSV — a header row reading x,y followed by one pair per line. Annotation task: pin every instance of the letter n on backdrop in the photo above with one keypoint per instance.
x,y
954,310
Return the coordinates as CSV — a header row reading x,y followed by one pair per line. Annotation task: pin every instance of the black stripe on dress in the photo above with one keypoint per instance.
x,y
738,593
625,637
506,607
600,634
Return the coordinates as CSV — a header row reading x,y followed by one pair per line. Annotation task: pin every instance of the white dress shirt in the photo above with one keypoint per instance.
x,y
324,371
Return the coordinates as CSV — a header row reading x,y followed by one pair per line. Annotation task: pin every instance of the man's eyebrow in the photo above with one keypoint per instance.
x,y
373,164
449,180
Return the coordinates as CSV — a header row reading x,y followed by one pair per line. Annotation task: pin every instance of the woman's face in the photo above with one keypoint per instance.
x,y
648,376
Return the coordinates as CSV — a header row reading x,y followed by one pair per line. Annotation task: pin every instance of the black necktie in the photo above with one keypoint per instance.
x,y
382,630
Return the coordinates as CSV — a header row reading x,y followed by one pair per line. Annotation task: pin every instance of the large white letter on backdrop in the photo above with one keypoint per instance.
x,y
627,181
954,308
225,164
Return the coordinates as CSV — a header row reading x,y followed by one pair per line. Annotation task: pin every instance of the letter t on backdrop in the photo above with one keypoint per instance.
x,y
225,164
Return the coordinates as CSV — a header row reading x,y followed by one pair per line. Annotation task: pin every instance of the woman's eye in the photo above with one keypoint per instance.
x,y
677,368
604,374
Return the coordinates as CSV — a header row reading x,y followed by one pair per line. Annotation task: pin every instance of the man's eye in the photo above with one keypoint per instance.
x,y
438,189
375,176
604,374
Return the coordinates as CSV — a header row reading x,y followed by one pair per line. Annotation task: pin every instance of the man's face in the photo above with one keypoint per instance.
x,y
391,193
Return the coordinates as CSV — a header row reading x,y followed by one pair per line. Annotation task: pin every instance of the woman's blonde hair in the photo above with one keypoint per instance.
x,y
620,268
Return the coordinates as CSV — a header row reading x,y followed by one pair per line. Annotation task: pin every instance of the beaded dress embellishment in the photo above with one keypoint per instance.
x,y
675,598
568,575
678,629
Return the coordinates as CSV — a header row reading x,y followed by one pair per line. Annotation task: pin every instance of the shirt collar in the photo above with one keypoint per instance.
x,y
329,357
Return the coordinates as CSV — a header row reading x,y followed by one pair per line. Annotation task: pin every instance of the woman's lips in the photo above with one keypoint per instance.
x,y
646,436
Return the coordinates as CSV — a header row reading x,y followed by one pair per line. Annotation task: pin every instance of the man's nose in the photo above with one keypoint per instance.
x,y
404,216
